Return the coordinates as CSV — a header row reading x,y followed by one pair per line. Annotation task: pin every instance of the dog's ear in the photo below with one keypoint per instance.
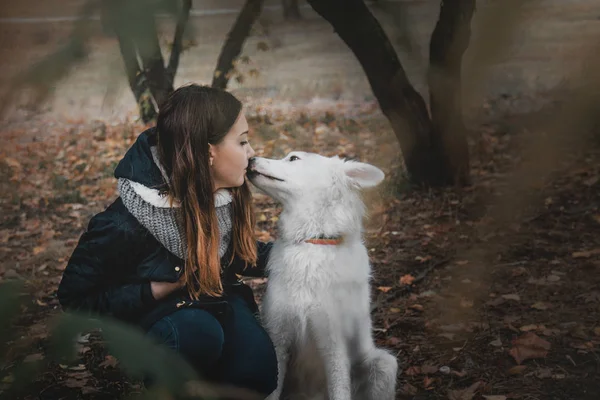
x,y
363,174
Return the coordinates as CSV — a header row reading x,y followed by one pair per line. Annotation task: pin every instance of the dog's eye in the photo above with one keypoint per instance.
x,y
294,158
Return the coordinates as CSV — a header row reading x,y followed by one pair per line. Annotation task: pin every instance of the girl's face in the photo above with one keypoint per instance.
x,y
230,157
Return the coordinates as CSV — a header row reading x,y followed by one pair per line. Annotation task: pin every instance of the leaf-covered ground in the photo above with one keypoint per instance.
x,y
483,293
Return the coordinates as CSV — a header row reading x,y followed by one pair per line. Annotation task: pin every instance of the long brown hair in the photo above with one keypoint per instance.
x,y
191,118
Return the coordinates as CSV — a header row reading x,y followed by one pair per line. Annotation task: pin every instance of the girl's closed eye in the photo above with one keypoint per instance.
x,y
245,142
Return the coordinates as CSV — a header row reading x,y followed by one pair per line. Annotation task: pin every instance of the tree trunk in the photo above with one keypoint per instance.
x,y
449,41
235,40
114,18
399,101
135,27
148,47
291,11
183,16
137,80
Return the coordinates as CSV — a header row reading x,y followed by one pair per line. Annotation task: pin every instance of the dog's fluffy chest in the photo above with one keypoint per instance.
x,y
319,277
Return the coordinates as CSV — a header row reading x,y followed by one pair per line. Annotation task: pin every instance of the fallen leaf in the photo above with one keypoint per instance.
x,y
553,278
540,305
393,341
597,331
496,343
585,253
464,394
412,371
529,346
543,373
517,370
512,296
407,279
417,307
34,357
449,336
409,389
38,249
75,383
496,302
465,303
427,382
531,327
384,289
109,361
591,181
429,369
395,310
89,389
591,297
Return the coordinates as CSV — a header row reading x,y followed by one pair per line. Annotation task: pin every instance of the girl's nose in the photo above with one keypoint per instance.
x,y
251,152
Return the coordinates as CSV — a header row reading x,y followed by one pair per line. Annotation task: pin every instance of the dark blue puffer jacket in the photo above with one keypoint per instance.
x,y
110,270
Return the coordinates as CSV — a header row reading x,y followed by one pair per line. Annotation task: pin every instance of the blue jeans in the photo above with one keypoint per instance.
x,y
237,351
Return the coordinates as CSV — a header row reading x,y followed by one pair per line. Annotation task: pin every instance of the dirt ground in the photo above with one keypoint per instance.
x,y
487,292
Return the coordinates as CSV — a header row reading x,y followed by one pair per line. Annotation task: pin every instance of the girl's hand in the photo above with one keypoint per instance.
x,y
163,289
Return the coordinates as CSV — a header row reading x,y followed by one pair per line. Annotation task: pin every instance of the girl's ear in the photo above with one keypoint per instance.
x,y
363,174
211,154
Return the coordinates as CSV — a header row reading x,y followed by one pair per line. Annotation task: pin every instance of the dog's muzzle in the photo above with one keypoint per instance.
x,y
252,172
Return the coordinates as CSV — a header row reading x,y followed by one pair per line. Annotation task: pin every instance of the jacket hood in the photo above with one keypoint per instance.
x,y
138,165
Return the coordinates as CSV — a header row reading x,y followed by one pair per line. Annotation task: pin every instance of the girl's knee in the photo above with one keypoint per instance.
x,y
258,371
193,333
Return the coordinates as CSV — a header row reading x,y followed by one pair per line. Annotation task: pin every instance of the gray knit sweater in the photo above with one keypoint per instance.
x,y
164,222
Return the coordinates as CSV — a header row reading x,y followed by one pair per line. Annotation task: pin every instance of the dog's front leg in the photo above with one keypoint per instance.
x,y
282,340
282,350
333,350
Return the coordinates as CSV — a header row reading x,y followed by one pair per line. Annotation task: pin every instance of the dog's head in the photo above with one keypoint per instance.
x,y
311,184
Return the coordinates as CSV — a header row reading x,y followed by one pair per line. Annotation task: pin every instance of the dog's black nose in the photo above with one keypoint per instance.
x,y
251,162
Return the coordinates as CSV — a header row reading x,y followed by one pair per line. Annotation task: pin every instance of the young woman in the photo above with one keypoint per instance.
x,y
168,253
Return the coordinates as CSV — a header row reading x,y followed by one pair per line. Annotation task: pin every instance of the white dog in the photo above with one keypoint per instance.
x,y
317,304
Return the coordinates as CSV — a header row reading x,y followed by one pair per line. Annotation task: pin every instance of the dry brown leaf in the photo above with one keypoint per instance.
x,y
517,370
529,346
512,296
543,373
409,390
109,361
465,303
412,371
384,289
75,383
531,327
464,394
407,279
38,249
585,253
429,369
34,357
427,382
540,305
